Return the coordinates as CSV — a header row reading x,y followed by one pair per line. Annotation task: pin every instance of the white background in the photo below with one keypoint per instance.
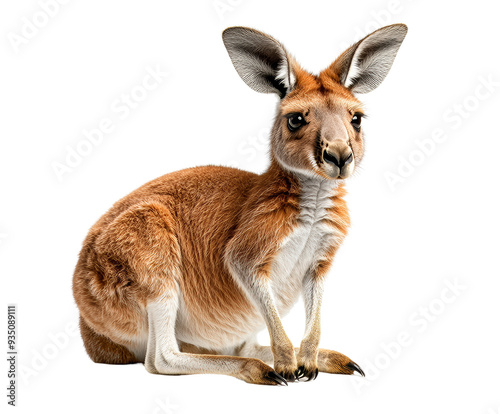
x,y
438,225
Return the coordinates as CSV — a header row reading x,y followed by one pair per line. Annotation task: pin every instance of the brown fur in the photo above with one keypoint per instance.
x,y
129,247
101,349
199,214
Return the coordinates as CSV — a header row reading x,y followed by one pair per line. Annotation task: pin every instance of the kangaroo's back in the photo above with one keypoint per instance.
x,y
203,205
186,189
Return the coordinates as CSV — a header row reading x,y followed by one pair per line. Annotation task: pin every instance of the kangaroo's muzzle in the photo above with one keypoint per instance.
x,y
340,159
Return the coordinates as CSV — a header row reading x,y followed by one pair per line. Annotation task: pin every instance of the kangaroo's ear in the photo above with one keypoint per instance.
x,y
364,66
261,61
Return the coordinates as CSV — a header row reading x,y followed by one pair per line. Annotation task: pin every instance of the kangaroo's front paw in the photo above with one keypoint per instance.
x,y
308,360
285,362
308,363
307,371
287,371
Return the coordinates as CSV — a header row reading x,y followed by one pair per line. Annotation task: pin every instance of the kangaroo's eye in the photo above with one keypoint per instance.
x,y
356,121
295,121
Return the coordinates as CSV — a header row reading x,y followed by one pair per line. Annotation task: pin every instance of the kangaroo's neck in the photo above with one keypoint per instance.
x,y
304,185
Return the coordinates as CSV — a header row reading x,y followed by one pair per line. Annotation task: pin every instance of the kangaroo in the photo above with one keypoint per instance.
x,y
183,272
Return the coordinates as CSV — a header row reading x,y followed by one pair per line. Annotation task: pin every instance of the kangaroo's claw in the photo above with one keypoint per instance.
x,y
355,367
274,376
302,372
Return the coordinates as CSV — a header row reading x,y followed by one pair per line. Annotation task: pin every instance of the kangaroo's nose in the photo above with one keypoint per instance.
x,y
340,160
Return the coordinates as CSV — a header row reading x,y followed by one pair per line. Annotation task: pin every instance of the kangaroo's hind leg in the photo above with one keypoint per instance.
x,y
143,240
144,237
163,355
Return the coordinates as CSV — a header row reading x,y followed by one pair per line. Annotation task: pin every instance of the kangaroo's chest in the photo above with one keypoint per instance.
x,y
308,242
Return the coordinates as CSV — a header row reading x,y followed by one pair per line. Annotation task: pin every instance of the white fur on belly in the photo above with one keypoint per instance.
x,y
307,243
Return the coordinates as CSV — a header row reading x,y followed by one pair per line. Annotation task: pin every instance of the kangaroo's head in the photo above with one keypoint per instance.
x,y
317,130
